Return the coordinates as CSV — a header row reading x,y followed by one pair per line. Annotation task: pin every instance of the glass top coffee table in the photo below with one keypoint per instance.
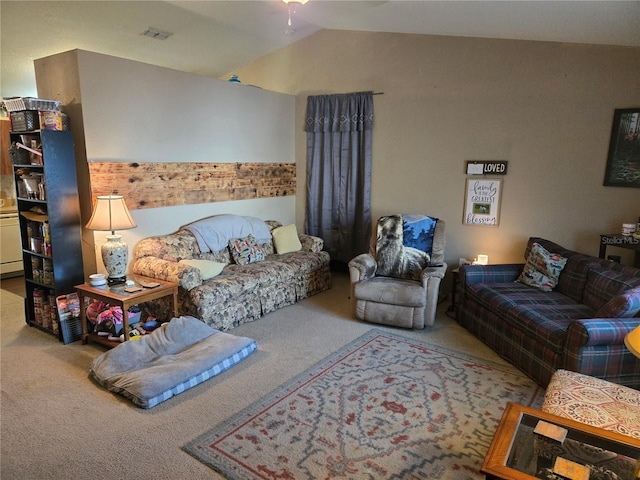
x,y
530,444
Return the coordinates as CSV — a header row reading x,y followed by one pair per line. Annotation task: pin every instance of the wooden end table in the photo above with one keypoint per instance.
x,y
455,280
514,439
115,295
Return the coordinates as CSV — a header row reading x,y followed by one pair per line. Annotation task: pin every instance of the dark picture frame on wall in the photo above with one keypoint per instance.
x,y
623,162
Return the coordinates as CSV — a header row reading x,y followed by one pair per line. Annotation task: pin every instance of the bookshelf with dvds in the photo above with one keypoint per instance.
x,y
44,169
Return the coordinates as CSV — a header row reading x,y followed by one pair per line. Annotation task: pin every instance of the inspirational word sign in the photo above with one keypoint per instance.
x,y
482,202
487,167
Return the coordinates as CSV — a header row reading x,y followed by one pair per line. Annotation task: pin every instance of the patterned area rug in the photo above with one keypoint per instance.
x,y
382,407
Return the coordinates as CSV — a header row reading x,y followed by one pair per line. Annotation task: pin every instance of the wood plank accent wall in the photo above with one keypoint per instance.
x,y
151,185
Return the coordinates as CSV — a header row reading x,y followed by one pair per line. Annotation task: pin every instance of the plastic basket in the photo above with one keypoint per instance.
x,y
25,121
71,329
69,317
15,104
19,156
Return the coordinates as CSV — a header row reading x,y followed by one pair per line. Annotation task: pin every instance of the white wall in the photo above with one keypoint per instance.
x,y
135,112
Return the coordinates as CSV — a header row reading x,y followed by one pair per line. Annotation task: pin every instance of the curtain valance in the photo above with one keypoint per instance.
x,y
348,112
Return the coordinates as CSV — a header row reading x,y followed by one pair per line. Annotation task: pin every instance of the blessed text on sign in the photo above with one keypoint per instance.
x,y
482,202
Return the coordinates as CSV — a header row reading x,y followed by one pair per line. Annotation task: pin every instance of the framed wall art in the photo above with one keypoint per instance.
x,y
482,202
623,162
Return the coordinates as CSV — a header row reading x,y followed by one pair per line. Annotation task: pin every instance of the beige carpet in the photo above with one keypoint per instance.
x,y
56,424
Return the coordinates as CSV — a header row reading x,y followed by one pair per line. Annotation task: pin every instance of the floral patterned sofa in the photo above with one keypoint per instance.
x,y
241,292
577,323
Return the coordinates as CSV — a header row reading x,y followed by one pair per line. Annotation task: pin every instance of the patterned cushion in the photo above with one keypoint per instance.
x,y
499,296
594,401
598,403
625,305
574,274
542,269
603,284
246,250
548,324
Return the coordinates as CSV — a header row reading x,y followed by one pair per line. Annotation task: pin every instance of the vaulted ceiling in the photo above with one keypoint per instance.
x,y
215,37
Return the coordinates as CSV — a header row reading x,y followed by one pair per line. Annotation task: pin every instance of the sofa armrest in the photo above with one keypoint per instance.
x,y
430,279
362,267
599,331
174,246
498,273
595,347
186,276
311,243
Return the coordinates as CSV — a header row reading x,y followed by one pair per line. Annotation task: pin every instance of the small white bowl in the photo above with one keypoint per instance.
x,y
97,279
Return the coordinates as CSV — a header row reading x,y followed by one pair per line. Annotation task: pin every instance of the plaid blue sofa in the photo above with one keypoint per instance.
x,y
540,332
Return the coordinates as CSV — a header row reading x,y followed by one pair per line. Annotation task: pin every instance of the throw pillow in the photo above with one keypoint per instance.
x,y
542,269
286,239
208,269
417,232
625,305
392,257
246,250
603,284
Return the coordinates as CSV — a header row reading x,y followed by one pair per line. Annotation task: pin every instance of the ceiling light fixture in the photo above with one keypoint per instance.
x,y
292,11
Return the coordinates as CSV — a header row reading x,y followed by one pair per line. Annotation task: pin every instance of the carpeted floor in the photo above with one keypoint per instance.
x,y
55,423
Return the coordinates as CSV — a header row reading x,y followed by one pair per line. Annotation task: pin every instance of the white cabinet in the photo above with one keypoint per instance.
x,y
10,248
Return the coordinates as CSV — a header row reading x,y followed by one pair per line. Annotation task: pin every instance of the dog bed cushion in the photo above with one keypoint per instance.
x,y
175,357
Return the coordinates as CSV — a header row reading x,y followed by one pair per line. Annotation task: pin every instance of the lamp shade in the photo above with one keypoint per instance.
x,y
482,259
110,213
632,341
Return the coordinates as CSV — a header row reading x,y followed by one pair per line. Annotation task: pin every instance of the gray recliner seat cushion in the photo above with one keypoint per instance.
x,y
392,291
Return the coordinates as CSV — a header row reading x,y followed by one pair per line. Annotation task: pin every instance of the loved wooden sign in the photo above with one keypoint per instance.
x,y
487,167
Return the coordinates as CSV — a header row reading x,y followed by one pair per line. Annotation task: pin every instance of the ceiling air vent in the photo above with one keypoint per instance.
x,y
156,33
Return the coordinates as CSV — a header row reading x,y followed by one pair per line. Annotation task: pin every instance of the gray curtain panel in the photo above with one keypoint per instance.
x,y
339,132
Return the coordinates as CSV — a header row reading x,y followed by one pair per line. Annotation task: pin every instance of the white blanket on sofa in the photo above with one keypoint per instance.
x,y
213,233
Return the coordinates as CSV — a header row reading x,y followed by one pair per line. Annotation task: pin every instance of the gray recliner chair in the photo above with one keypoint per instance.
x,y
398,285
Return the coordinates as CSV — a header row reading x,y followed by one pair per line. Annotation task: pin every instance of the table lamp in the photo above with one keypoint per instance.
x,y
110,213
632,341
482,260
